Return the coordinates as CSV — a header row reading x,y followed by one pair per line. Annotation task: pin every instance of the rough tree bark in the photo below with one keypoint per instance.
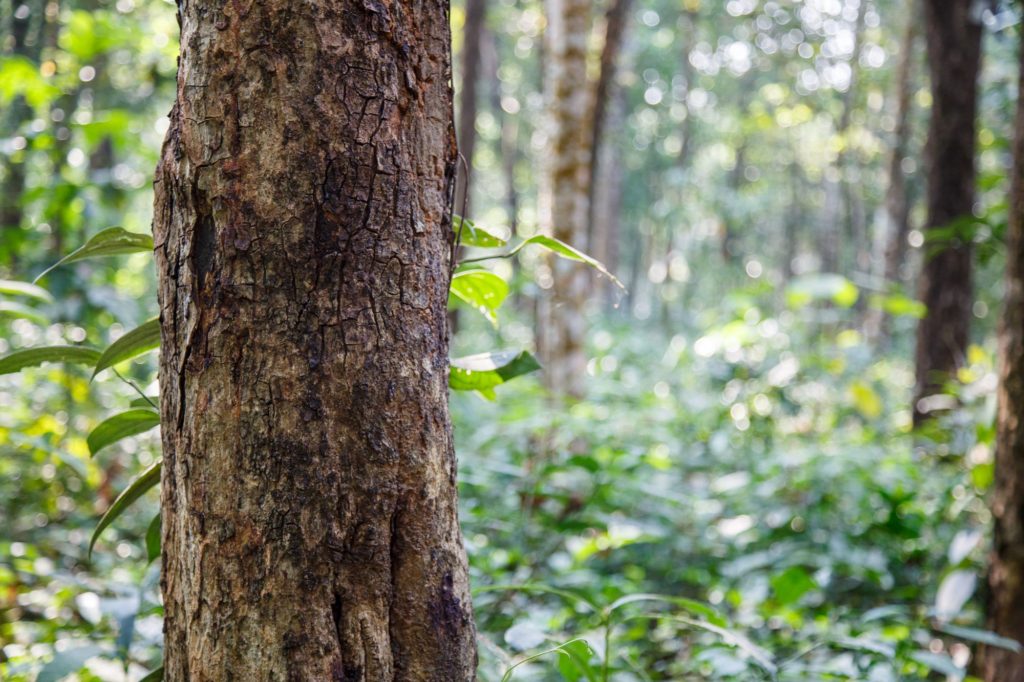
x,y
954,57
1006,569
566,59
302,230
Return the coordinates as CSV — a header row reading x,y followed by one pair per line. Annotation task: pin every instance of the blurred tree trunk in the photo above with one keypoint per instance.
x,y
688,31
23,41
303,245
605,94
846,207
605,199
569,168
472,35
897,199
954,56
1006,571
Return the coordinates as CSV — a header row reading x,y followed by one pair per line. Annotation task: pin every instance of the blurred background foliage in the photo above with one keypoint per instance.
x,y
739,496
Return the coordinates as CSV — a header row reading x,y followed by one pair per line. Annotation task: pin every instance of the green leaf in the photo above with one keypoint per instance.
x,y
146,480
150,401
485,371
569,597
121,426
481,289
821,287
560,649
113,241
153,539
563,250
68,661
474,235
983,637
697,607
20,310
731,638
792,584
575,665
898,305
155,676
14,288
143,338
33,357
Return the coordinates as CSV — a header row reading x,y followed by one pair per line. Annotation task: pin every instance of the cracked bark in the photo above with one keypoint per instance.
x,y
954,57
302,217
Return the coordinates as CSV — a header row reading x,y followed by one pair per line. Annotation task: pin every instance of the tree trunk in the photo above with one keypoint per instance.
x,y
1006,572
24,42
303,243
472,35
954,56
566,34
897,200
605,91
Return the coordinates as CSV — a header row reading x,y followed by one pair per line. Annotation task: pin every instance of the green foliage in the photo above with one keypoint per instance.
x,y
33,357
486,371
121,426
144,338
136,489
113,241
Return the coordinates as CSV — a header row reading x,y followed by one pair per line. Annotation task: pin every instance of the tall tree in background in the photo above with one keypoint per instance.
x,y
302,230
22,41
472,37
897,195
1006,570
605,197
954,56
564,328
578,111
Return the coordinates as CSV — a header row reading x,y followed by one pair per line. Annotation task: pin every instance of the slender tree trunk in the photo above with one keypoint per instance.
x,y
848,199
1006,572
954,57
897,199
606,202
24,42
566,34
303,242
472,35
605,91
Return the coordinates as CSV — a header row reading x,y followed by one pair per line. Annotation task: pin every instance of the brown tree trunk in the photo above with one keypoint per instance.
x,y
302,229
954,56
616,22
1006,572
566,39
472,36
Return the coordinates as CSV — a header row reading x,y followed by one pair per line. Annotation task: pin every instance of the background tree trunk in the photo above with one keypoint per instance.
x,y
897,199
1006,571
570,106
472,37
302,229
954,56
